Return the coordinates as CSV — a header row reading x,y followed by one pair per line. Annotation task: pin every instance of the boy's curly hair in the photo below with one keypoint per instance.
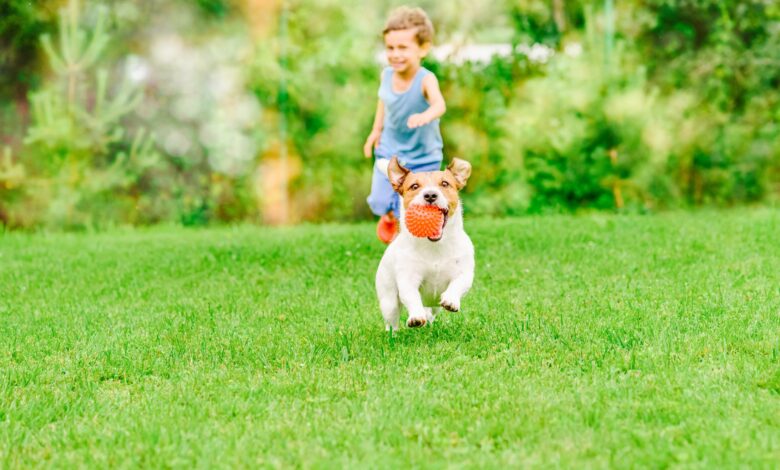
x,y
411,18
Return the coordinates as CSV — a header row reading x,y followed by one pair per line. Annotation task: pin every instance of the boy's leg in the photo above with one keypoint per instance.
x,y
383,202
382,198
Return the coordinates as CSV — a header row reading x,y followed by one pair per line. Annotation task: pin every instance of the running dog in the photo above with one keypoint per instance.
x,y
425,274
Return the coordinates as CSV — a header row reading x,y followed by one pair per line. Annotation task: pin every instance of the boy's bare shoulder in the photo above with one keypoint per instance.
x,y
430,78
430,82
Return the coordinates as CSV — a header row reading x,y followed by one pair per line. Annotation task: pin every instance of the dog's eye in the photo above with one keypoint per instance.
x,y
414,187
445,184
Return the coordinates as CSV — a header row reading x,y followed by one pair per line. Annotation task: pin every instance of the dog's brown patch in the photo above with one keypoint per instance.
x,y
449,181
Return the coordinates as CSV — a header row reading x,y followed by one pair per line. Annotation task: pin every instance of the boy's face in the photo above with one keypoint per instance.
x,y
403,51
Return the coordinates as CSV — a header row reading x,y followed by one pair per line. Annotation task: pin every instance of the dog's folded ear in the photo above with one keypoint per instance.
x,y
461,170
396,174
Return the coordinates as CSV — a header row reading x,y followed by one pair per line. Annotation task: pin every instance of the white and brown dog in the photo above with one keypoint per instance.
x,y
425,274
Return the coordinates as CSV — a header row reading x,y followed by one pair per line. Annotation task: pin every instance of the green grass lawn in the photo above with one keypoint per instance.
x,y
591,341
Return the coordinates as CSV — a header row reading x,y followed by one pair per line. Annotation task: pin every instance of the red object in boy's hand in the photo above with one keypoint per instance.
x,y
424,221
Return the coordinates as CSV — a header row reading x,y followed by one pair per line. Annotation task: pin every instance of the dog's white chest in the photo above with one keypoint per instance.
x,y
435,267
434,282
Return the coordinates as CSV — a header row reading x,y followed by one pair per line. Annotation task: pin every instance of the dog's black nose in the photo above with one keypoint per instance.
x,y
430,197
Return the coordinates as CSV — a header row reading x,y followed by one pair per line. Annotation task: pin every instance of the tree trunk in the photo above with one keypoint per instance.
x,y
559,15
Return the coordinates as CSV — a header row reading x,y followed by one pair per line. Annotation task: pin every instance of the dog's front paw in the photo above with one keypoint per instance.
x,y
449,302
415,322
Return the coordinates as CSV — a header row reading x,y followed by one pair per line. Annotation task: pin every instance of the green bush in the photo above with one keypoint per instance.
x,y
83,167
679,108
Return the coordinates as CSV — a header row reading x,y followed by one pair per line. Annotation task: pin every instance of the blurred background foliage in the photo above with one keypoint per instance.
x,y
195,112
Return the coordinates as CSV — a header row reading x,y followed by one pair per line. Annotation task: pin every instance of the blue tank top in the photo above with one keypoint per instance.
x,y
413,147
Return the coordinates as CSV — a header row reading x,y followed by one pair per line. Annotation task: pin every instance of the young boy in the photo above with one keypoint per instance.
x,y
406,124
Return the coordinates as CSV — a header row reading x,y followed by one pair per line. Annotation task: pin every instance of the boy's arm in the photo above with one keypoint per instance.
x,y
432,93
379,117
376,131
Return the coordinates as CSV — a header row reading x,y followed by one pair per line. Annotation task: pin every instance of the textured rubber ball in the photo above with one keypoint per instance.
x,y
424,221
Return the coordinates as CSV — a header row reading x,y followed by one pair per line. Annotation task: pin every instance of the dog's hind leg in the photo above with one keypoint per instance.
x,y
391,311
430,314
387,293
435,311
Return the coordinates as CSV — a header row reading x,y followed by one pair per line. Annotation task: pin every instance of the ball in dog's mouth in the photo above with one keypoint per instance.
x,y
426,221
445,213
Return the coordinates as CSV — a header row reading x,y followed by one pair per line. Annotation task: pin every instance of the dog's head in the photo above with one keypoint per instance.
x,y
436,188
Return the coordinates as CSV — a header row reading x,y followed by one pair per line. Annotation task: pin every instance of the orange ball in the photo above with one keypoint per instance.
x,y
424,221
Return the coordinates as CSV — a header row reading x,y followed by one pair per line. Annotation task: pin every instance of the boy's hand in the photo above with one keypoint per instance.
x,y
371,143
417,120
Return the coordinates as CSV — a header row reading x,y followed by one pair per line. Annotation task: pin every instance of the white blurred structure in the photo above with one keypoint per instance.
x,y
199,100
484,53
